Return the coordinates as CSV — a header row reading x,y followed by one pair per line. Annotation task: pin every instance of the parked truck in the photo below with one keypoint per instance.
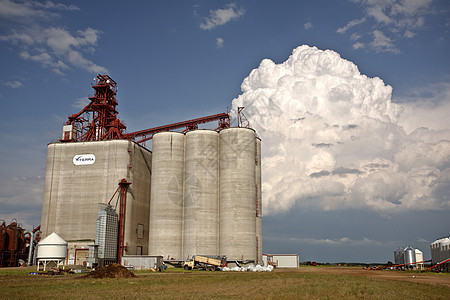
x,y
205,262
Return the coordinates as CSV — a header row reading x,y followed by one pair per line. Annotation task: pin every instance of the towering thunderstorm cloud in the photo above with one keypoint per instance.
x,y
332,139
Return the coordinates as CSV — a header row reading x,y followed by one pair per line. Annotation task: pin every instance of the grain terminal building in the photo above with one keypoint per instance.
x,y
195,192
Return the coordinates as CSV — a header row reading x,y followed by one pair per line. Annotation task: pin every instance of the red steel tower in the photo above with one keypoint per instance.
x,y
98,120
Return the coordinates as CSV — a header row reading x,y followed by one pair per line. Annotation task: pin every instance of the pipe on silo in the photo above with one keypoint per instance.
x,y
201,194
166,205
237,193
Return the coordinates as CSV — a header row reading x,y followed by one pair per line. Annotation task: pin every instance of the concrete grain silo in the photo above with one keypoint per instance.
x,y
237,193
166,206
201,194
258,202
81,175
197,193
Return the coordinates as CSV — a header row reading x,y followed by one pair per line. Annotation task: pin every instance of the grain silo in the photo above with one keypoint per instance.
x,y
258,202
197,193
166,206
237,193
440,254
201,193
81,175
206,194
410,257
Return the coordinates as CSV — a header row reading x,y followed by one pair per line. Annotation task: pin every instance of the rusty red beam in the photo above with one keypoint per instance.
x,y
123,184
442,262
186,124
393,266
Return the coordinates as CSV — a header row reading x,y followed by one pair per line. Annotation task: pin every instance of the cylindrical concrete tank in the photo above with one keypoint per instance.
x,y
201,194
258,201
52,247
166,205
410,256
237,193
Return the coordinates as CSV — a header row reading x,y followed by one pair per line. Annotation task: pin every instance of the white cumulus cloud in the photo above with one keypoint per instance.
x,y
332,139
382,43
81,102
13,84
426,107
344,241
222,16
358,45
219,42
53,47
393,20
350,24
21,198
23,11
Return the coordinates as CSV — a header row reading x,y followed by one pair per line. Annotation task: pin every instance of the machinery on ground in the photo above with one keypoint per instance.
x,y
14,243
206,262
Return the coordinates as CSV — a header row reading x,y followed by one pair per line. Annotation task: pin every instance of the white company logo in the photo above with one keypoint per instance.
x,y
84,159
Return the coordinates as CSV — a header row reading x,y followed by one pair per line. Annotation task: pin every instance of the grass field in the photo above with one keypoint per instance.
x,y
17,283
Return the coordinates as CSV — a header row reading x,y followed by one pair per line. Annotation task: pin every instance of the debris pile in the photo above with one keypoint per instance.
x,y
250,268
111,271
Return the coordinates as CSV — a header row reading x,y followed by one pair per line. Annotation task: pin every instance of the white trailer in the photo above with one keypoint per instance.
x,y
142,262
281,260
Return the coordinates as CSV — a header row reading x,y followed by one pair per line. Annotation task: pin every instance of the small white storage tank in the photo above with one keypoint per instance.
x,y
166,205
51,250
201,194
52,247
419,259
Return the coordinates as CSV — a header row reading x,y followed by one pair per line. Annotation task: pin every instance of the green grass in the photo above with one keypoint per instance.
x,y
18,284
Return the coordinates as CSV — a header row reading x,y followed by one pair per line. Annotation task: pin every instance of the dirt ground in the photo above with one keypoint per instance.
x,y
428,278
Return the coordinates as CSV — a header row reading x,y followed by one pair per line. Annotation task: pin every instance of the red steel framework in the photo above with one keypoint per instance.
x,y
147,134
122,189
13,244
98,121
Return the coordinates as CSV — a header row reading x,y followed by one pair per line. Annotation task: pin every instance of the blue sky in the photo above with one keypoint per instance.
x,y
177,60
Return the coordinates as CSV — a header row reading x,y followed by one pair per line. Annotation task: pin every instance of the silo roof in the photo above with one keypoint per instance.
x,y
53,239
